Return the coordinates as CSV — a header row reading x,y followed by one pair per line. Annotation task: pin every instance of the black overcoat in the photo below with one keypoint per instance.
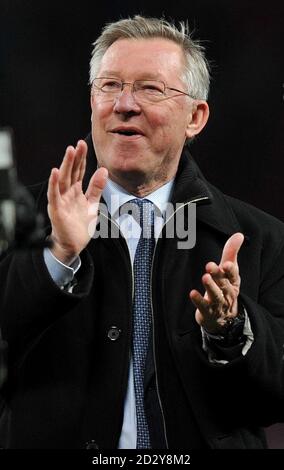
x,y
69,352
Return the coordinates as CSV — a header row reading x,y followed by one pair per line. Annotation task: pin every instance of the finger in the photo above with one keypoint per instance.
x,y
80,155
53,193
231,248
224,278
77,188
96,185
214,270
214,293
202,313
231,271
83,167
218,275
227,281
199,302
76,165
65,169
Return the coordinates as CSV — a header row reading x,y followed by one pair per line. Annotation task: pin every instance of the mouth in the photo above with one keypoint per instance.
x,y
131,133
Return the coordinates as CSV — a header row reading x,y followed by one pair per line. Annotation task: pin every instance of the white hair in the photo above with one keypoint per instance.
x,y
196,75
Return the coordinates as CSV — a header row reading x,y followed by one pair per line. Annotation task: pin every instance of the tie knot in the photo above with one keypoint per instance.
x,y
144,204
142,210
146,210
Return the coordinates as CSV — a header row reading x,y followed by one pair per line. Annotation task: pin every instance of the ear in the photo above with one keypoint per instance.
x,y
198,118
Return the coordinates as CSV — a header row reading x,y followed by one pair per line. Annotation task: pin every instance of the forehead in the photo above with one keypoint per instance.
x,y
151,58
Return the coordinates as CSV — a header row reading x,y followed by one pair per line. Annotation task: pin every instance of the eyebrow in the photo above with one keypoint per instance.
x,y
151,76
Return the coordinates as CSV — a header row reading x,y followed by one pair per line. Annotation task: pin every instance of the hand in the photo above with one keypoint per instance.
x,y
68,207
222,283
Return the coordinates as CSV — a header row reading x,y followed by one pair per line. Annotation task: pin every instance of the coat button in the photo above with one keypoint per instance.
x,y
113,333
91,445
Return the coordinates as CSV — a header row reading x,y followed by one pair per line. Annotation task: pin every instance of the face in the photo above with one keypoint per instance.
x,y
150,156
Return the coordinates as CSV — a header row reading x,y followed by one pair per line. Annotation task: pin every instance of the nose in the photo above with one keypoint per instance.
x,y
125,101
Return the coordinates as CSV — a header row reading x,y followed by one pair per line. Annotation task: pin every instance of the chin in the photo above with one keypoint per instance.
x,y
129,163
129,173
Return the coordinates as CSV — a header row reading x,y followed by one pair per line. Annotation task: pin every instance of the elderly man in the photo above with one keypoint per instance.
x,y
131,340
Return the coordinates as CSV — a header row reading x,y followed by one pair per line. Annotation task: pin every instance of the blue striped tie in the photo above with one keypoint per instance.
x,y
142,313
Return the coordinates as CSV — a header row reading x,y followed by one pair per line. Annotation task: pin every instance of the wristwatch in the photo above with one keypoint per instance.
x,y
232,333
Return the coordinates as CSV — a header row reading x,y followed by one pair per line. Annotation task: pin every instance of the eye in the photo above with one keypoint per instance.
x,y
110,85
150,87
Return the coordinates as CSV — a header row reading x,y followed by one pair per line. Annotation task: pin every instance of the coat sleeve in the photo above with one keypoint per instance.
x,y
254,382
264,362
249,389
30,301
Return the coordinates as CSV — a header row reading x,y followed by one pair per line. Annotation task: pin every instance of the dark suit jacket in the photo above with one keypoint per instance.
x,y
67,378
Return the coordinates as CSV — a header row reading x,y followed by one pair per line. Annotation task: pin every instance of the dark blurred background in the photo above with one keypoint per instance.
x,y
45,48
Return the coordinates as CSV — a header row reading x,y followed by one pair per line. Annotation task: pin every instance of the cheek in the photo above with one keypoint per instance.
x,y
169,124
166,132
100,111
98,124
160,125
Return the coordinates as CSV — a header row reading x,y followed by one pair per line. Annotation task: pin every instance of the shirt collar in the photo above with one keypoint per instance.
x,y
115,196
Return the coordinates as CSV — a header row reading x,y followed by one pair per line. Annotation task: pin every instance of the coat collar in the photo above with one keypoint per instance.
x,y
189,185
215,211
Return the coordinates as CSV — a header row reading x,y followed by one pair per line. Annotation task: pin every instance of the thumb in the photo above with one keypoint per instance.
x,y
232,247
96,185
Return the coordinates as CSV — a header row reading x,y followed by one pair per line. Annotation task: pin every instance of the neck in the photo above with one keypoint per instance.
x,y
140,188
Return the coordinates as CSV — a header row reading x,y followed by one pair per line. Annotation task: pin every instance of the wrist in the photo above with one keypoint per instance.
x,y
227,322
232,333
65,255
